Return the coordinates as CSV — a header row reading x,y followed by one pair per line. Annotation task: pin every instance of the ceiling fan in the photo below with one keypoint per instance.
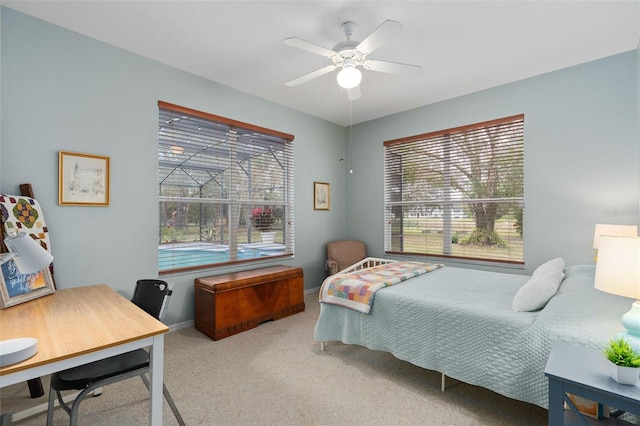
x,y
350,54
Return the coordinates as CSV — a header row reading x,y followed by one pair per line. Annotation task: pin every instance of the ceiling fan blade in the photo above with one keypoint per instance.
x,y
311,75
380,35
391,67
309,47
354,93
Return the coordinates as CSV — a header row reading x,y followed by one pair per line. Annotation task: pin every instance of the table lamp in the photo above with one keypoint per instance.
x,y
29,257
618,272
613,231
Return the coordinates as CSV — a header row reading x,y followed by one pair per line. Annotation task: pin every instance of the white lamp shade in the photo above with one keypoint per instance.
x,y
29,256
613,231
349,77
618,267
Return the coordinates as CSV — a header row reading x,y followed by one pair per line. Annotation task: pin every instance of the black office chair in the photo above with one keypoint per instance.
x,y
152,296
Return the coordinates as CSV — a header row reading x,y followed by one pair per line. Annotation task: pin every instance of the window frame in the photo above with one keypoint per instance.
x,y
238,138
395,176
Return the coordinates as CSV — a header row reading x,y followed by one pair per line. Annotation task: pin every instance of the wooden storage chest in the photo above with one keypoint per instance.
x,y
230,303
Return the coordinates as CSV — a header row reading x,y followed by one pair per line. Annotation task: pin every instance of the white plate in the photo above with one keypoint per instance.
x,y
17,350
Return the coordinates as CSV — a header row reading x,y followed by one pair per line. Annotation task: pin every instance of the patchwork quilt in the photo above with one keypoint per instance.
x,y
356,290
23,214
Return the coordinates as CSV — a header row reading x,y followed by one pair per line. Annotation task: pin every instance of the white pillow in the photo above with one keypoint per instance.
x,y
541,287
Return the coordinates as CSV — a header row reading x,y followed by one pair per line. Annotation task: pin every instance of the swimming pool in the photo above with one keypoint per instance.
x,y
181,256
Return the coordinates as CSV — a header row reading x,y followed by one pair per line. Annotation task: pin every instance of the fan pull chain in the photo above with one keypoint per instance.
x,y
350,136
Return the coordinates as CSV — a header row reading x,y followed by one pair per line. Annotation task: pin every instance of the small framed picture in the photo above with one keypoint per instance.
x,y
321,196
16,287
83,179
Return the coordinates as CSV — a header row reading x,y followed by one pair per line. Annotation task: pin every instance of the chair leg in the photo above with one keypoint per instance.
x,y
62,403
6,419
73,415
167,396
71,411
53,393
52,399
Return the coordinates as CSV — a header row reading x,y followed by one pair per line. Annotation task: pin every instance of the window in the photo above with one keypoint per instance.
x,y
225,191
457,193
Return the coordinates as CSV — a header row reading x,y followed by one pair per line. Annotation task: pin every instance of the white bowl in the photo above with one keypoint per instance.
x,y
17,350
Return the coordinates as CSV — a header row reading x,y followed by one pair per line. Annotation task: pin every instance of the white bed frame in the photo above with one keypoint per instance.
x,y
364,264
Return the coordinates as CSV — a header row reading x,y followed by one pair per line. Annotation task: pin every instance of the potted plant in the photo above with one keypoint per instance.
x,y
624,361
262,219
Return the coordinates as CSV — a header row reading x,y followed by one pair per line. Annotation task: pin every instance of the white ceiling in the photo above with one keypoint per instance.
x,y
463,46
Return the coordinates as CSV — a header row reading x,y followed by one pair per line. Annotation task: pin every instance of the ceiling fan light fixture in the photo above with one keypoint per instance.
x,y
349,55
349,77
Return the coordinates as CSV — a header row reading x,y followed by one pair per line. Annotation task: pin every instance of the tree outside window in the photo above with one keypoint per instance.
x,y
457,192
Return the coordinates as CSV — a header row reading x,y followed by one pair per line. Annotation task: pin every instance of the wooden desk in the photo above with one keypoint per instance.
x,y
80,325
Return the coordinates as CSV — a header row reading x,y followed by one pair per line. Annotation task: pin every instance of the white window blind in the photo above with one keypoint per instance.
x,y
225,191
457,192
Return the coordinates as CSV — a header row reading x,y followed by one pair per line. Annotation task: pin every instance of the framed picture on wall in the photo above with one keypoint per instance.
x,y
321,195
83,179
16,287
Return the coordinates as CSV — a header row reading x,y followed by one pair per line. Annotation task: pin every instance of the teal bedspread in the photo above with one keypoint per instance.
x,y
460,322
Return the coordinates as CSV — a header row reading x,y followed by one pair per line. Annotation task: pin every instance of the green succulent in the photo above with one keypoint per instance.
x,y
620,352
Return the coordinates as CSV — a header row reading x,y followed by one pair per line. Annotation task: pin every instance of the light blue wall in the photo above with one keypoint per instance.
x,y
581,154
63,91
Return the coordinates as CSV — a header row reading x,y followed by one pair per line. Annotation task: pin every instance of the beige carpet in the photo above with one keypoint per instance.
x,y
275,374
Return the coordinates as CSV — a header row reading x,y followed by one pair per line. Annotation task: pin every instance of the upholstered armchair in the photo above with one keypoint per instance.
x,y
344,253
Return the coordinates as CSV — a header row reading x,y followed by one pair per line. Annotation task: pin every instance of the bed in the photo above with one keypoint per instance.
x,y
461,323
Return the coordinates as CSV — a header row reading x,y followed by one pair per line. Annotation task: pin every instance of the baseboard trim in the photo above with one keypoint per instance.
x,y
42,408
180,326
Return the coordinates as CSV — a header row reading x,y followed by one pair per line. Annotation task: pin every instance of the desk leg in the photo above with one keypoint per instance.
x,y
155,377
556,403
